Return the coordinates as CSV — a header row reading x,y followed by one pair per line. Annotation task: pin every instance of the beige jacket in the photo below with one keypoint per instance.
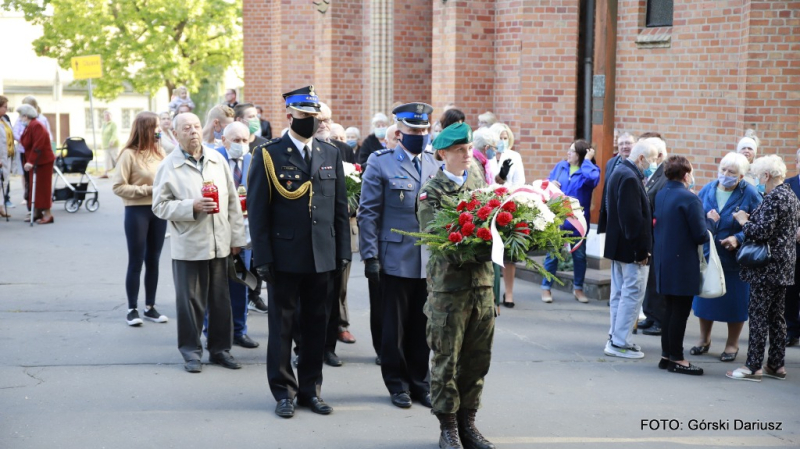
x,y
198,236
133,181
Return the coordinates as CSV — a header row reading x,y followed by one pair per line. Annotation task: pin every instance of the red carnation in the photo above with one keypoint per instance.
x,y
494,203
473,205
358,168
455,237
484,212
485,234
521,225
510,206
465,217
468,229
461,206
545,184
500,191
526,231
448,226
504,218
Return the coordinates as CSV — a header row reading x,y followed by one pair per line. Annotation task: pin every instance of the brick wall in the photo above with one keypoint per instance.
x,y
412,45
732,65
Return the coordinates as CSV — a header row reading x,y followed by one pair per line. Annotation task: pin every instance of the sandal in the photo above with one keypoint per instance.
x,y
743,374
728,356
773,373
699,350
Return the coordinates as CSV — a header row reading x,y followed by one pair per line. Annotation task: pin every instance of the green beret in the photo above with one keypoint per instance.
x,y
455,134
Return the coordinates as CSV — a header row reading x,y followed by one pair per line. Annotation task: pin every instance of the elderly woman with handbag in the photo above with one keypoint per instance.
x,y
768,258
722,197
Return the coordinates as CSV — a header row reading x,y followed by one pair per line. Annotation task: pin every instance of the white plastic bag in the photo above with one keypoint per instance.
x,y
713,278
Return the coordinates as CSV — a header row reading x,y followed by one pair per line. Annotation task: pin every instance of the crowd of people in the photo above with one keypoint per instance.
x,y
278,212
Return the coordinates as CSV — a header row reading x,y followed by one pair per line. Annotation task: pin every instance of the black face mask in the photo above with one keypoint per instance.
x,y
305,127
414,143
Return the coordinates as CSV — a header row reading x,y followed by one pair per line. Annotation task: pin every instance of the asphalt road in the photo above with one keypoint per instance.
x,y
74,375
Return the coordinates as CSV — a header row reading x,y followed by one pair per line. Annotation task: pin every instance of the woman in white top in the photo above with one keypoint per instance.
x,y
168,140
515,178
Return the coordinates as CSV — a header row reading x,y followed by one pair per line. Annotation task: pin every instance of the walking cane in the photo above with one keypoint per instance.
x,y
33,195
3,190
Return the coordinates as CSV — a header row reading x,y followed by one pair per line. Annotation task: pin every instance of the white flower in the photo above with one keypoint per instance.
x,y
349,168
539,223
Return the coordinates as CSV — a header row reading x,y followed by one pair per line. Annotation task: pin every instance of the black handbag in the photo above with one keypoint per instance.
x,y
753,254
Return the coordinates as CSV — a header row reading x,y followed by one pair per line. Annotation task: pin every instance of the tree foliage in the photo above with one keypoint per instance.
x,y
146,44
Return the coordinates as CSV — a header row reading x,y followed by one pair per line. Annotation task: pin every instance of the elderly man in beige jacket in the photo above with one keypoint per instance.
x,y
200,242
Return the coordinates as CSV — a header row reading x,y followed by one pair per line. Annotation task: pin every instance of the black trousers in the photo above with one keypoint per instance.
x,y
654,305
334,318
312,291
255,294
404,348
202,285
673,328
375,315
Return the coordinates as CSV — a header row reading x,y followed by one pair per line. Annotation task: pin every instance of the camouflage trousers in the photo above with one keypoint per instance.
x,y
460,333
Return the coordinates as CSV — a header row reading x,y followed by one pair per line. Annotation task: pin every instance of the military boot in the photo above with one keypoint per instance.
x,y
449,437
470,436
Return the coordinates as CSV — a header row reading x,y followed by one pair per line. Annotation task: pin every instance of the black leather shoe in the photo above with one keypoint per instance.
x,y
331,359
285,408
663,363
226,360
317,405
245,341
424,399
644,324
378,361
193,366
680,369
402,399
655,329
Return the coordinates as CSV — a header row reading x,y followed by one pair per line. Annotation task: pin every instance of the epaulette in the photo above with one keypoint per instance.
x,y
383,151
266,144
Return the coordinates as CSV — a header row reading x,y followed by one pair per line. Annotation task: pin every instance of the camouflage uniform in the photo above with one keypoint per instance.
x,y
460,310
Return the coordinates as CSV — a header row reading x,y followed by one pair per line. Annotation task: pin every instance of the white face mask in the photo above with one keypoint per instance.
x,y
236,150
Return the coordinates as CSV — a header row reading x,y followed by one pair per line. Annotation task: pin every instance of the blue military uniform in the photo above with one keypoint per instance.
x,y
388,201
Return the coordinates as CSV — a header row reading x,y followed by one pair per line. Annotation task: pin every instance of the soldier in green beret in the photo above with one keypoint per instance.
x,y
460,306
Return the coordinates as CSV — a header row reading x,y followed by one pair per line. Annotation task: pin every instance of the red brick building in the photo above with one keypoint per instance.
x,y
721,67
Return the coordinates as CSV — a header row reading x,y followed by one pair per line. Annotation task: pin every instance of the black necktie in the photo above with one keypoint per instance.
x,y
307,156
417,166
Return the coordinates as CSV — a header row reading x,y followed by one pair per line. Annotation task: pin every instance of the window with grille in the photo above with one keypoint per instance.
x,y
659,13
98,122
127,121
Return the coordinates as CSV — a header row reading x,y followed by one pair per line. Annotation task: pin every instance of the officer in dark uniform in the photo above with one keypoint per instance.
x,y
297,206
388,200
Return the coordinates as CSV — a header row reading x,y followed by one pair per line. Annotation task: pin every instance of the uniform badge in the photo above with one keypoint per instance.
x,y
401,196
289,185
423,196
420,108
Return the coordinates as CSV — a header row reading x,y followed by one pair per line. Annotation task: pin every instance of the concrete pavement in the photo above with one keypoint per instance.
x,y
74,375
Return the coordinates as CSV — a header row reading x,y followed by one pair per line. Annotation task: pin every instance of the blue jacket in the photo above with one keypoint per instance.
x,y
246,158
579,185
681,225
389,189
745,197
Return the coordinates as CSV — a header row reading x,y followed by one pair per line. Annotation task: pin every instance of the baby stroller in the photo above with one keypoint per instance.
x,y
74,157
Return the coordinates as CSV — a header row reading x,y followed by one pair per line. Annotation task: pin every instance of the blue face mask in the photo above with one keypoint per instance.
x,y
218,135
380,133
648,172
728,181
762,188
691,185
501,146
490,152
415,143
352,143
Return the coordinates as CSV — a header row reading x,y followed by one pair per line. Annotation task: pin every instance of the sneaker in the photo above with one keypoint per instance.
x,y
257,306
153,315
629,352
133,318
10,204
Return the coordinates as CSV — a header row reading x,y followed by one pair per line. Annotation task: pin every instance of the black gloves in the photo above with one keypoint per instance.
x,y
341,266
372,269
267,273
505,168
